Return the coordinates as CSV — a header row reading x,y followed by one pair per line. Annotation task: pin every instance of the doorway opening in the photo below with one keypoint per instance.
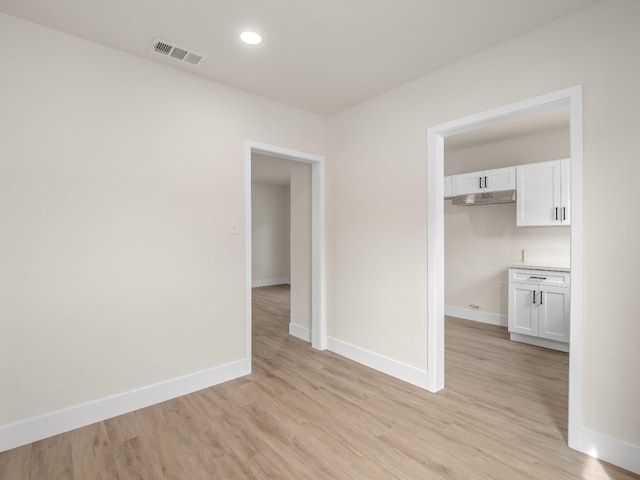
x,y
316,332
281,244
572,97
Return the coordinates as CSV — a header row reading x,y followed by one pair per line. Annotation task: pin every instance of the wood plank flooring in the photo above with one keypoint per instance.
x,y
304,414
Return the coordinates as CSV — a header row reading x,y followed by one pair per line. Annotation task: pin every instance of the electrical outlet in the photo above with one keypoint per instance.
x,y
503,286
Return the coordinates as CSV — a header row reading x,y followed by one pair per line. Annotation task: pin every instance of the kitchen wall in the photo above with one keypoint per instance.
x,y
481,240
121,180
377,198
270,220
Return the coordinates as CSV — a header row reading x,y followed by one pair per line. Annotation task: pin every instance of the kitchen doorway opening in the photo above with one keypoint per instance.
x,y
317,332
572,98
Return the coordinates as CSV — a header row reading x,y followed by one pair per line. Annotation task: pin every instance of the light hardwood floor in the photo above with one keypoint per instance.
x,y
305,414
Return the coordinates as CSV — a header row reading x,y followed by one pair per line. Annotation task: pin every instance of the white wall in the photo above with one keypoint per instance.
x,y
301,245
270,220
480,241
120,180
376,213
535,147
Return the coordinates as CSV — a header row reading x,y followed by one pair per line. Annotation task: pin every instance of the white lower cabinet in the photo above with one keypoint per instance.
x,y
539,307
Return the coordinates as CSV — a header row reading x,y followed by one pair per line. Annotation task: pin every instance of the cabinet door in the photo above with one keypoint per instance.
x,y
448,187
468,183
500,179
554,313
565,190
523,313
538,194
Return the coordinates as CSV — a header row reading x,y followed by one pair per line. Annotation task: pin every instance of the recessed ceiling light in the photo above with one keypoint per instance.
x,y
251,37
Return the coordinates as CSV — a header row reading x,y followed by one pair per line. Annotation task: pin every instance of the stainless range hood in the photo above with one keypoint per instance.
x,y
486,198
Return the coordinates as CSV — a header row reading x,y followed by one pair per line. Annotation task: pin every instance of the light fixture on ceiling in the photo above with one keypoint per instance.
x,y
250,37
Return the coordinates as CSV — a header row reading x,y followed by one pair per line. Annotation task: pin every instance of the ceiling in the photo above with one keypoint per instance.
x,y
319,56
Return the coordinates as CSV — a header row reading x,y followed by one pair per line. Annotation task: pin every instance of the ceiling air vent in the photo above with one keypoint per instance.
x,y
168,49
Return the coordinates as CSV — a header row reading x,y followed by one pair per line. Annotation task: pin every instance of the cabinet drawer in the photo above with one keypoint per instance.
x,y
540,277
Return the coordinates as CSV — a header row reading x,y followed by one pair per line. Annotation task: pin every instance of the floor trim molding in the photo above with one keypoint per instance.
x,y
44,426
611,450
383,364
540,342
303,333
476,315
268,282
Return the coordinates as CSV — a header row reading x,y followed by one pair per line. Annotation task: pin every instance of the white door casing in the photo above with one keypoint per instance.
x,y
317,162
435,241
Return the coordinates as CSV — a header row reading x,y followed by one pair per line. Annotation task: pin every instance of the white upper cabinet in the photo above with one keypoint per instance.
x,y
485,181
543,194
500,179
467,183
565,190
448,187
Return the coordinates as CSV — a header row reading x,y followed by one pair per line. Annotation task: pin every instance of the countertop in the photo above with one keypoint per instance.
x,y
542,265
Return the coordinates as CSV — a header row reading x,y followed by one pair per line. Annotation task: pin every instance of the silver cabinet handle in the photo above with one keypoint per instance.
x,y
485,182
556,213
480,182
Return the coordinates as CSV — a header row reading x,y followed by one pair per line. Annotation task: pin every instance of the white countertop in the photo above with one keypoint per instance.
x,y
542,265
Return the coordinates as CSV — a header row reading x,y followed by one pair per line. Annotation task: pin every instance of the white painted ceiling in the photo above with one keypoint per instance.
x,y
321,56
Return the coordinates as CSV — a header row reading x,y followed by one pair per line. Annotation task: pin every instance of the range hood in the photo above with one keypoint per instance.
x,y
485,198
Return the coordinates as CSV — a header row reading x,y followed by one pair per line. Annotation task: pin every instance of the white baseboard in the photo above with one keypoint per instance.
x,y
303,333
38,428
609,449
539,342
477,315
268,282
396,369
